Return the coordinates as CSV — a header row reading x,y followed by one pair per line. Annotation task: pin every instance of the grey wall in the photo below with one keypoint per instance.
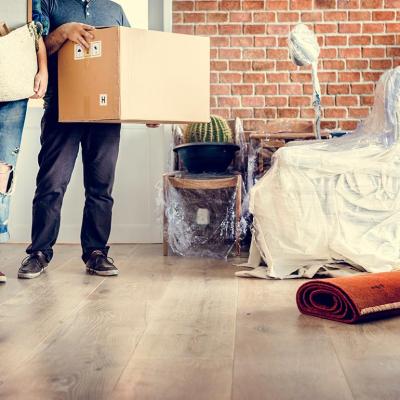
x,y
14,12
156,15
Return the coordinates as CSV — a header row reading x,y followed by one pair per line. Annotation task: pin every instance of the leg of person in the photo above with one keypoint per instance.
x,y
60,146
100,147
12,119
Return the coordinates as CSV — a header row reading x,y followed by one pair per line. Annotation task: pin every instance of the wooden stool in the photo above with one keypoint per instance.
x,y
212,183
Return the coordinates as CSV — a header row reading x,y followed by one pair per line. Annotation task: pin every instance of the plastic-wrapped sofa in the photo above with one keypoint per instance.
x,y
335,204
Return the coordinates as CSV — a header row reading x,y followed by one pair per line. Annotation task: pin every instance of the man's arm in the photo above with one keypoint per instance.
x,y
74,31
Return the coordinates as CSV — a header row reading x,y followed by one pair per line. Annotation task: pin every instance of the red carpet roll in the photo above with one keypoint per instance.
x,y
352,299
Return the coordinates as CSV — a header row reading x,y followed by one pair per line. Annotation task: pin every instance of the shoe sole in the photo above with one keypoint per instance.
x,y
31,276
102,273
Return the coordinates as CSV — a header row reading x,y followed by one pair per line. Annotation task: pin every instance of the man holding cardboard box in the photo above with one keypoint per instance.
x,y
74,20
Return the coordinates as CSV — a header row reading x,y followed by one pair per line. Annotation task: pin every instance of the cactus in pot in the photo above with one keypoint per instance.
x,y
215,131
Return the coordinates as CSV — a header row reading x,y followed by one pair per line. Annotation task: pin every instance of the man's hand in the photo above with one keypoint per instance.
x,y
40,85
153,125
78,33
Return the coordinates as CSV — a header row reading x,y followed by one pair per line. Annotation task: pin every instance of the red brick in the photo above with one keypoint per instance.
x,y
285,66
351,52
254,29
384,40
371,3
359,16
325,4
335,40
242,112
274,77
221,112
229,5
254,125
253,101
371,76
338,89
392,3
348,4
349,76
232,29
278,54
186,29
350,28
229,54
373,52
219,65
362,88
265,41
393,27
278,29
242,89
254,54
300,77
381,64
288,112
253,77
363,40
347,101
230,77
356,64
288,17
393,51
253,5
358,112
290,89
240,17
301,4
267,65
334,64
194,17
348,125
177,18
265,113
299,101
242,41
373,28
326,28
217,41
335,112
218,17
277,5
206,29
367,100
311,16
335,16
328,124
220,89
264,17
228,101
383,15
327,76
276,101
183,5
307,113
240,65
270,90
206,5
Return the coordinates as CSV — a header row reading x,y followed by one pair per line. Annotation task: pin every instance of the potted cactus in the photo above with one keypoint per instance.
x,y
208,147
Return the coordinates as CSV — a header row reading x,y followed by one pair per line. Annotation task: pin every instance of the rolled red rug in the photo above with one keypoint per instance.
x,y
352,299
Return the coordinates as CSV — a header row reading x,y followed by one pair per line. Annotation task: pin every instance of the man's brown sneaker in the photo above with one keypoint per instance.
x,y
100,264
33,266
3,278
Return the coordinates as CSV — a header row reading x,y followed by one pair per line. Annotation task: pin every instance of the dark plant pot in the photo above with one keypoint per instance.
x,y
206,157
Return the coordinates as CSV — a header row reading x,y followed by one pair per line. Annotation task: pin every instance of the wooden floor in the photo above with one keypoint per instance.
x,y
174,328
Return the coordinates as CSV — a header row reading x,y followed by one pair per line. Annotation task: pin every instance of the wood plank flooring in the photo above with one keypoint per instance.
x,y
174,328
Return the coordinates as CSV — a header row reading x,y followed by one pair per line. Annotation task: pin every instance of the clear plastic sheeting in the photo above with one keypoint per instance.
x,y
332,201
202,222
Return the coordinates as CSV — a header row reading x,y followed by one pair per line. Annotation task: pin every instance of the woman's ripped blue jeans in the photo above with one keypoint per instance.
x,y
12,119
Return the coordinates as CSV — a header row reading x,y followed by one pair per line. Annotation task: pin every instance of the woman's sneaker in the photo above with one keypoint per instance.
x,y
100,264
3,278
33,266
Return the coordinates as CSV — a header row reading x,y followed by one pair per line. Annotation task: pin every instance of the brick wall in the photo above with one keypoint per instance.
x,y
252,76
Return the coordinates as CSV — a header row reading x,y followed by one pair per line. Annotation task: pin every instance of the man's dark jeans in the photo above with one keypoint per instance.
x,y
60,146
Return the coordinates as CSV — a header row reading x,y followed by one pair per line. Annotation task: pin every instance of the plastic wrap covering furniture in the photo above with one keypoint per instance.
x,y
202,214
336,200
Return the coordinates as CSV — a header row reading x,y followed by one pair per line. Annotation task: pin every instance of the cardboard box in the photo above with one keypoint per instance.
x,y
15,13
134,75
